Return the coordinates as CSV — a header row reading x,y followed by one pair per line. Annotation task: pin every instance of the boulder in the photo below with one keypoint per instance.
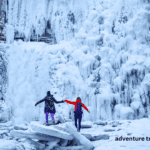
x,y
31,135
83,140
51,131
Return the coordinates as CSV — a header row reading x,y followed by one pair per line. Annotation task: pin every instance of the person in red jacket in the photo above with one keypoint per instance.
x,y
78,111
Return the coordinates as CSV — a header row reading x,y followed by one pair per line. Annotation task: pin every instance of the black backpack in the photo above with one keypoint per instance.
x,y
50,102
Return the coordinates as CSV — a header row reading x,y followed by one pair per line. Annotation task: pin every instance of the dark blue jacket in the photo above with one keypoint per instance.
x,y
49,103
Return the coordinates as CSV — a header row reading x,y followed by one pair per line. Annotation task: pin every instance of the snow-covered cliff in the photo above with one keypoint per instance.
x,y
102,55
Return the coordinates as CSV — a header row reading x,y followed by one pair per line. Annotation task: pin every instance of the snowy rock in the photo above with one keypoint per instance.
x,y
99,122
10,145
51,131
30,144
4,112
84,141
31,135
108,130
87,135
87,124
70,148
114,125
129,133
52,144
119,129
100,137
21,127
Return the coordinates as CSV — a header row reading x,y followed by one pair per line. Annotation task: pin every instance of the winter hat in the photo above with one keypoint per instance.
x,y
78,98
48,93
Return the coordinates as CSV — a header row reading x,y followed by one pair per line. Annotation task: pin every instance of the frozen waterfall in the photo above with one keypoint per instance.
x,y
101,54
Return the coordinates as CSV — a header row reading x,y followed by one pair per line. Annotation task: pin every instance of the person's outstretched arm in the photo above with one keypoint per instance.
x,y
85,107
69,102
57,101
40,101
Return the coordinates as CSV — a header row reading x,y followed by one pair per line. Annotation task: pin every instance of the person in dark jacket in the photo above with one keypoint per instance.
x,y
49,105
78,111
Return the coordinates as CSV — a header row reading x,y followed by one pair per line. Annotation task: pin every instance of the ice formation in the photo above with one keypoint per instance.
x,y
101,53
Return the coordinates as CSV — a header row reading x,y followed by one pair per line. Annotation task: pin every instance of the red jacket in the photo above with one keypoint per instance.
x,y
75,103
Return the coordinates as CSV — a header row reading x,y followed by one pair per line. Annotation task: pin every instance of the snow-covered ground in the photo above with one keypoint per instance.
x,y
134,129
137,130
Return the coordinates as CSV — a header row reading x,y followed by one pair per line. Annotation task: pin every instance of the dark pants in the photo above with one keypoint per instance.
x,y
79,117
